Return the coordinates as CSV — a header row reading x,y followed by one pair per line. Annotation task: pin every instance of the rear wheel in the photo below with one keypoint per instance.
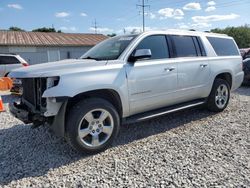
x,y
219,96
92,125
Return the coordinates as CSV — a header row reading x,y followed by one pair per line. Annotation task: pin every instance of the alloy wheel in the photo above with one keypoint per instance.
x,y
221,96
96,127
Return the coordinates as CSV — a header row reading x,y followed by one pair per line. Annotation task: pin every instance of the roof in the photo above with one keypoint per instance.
x,y
20,38
187,32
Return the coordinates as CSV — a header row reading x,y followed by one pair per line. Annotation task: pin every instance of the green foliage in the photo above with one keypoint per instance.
x,y
240,34
111,35
15,29
46,30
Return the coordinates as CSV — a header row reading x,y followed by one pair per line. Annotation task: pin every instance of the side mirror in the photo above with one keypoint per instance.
x,y
140,54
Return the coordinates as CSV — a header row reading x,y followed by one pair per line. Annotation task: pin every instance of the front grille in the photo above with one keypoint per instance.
x,y
29,91
33,89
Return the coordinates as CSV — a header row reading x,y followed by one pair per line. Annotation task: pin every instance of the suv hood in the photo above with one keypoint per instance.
x,y
58,68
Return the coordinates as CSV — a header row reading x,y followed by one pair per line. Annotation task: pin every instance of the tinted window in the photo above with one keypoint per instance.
x,y
184,46
157,44
203,52
8,60
223,47
197,46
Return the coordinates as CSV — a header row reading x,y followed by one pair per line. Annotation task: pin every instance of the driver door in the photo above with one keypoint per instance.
x,y
152,82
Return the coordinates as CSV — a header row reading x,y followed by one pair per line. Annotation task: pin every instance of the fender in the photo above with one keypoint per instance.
x,y
77,83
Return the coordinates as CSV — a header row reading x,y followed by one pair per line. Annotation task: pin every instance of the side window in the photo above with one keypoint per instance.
x,y
184,46
203,51
7,60
157,44
197,46
223,46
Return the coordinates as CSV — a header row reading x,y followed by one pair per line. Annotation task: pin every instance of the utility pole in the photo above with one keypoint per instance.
x,y
95,26
143,6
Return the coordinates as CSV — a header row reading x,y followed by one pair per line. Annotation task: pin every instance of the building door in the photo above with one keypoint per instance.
x,y
53,55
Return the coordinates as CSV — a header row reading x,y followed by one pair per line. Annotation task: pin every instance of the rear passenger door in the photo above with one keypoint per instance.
x,y
193,66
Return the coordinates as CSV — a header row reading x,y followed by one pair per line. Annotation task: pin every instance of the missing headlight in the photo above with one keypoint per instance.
x,y
52,82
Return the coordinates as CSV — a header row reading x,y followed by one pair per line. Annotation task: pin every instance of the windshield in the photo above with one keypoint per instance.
x,y
109,49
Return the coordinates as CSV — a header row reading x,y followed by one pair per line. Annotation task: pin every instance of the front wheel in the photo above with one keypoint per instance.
x,y
219,96
92,125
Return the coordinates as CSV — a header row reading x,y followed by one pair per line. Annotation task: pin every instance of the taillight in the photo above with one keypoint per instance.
x,y
25,64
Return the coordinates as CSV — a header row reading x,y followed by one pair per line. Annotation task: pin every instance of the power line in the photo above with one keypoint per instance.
x,y
143,6
218,5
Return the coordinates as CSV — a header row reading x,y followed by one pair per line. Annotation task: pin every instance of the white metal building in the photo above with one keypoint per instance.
x,y
39,47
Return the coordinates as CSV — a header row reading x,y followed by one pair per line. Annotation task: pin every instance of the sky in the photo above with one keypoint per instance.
x,y
123,16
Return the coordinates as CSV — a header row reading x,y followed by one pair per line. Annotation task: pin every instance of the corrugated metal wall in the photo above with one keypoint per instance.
x,y
36,55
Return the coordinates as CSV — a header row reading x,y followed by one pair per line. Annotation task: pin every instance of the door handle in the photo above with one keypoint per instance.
x,y
169,69
203,65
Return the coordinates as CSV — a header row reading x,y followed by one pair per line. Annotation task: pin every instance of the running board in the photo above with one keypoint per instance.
x,y
163,111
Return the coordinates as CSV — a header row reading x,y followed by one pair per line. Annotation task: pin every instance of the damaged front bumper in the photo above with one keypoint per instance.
x,y
20,112
57,122
33,107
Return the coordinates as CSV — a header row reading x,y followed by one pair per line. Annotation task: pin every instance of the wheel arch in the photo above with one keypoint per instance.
x,y
58,124
110,95
226,76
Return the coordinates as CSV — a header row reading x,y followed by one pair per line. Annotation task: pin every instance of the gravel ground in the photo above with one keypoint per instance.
x,y
193,148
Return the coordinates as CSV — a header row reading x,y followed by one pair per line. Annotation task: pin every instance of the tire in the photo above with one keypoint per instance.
x,y
92,125
219,96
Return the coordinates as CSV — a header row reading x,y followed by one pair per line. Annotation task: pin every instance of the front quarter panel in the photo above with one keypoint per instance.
x,y
112,76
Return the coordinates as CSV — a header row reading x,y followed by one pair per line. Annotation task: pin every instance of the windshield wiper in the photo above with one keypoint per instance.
x,y
91,58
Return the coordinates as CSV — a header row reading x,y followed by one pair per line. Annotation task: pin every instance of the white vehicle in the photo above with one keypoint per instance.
x,y
128,79
9,62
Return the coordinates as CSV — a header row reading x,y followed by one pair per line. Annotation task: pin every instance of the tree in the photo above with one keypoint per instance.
x,y
134,31
45,29
240,34
15,29
111,35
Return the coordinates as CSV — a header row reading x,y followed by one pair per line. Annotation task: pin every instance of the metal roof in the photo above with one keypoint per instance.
x,y
17,38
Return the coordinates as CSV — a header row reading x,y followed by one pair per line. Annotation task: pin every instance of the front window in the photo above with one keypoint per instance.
x,y
110,49
157,44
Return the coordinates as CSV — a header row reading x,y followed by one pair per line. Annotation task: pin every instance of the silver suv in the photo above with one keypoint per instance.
x,y
9,62
128,79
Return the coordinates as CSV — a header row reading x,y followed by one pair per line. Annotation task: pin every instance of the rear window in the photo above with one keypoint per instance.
x,y
184,46
223,46
6,60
